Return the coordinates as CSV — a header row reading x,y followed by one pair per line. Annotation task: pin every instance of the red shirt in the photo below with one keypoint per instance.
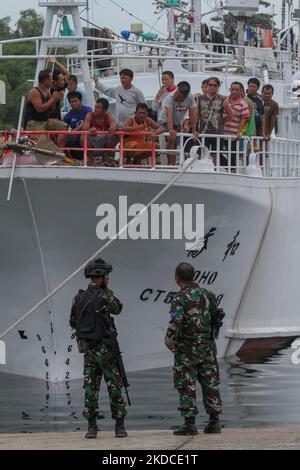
x,y
100,125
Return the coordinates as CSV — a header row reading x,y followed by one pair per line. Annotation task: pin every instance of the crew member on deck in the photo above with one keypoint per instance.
x,y
39,103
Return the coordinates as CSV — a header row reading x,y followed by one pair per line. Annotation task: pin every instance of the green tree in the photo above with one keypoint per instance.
x,y
18,75
5,31
30,24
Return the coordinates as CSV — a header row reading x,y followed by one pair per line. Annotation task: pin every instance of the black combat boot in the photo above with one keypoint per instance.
x,y
213,426
92,429
187,429
120,430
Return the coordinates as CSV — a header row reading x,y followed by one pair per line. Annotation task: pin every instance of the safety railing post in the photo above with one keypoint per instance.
x,y
122,151
181,150
13,166
218,154
153,155
85,149
244,142
92,64
229,154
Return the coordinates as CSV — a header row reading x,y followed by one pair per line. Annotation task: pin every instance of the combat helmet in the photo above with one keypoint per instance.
x,y
97,267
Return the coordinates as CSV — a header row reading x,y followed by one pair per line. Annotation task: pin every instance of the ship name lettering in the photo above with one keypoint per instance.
x,y
155,294
203,243
205,277
232,247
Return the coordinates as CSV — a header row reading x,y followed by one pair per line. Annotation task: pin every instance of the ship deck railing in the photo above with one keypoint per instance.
x,y
277,157
146,56
143,58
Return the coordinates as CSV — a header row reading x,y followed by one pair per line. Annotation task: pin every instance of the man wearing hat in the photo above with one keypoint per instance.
x,y
92,341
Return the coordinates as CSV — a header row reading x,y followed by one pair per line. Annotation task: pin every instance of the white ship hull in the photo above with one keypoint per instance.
x,y
49,229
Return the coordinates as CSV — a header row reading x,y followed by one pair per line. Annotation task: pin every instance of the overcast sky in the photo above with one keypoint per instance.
x,y
102,12
105,13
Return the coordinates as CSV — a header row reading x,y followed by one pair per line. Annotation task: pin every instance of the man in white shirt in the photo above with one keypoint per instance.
x,y
177,104
158,104
127,96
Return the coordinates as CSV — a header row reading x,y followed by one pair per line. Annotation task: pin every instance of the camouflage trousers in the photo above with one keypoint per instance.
x,y
94,369
187,371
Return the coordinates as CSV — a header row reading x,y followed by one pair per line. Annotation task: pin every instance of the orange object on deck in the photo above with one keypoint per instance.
x,y
268,39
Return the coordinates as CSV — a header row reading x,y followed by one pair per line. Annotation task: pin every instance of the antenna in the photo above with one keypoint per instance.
x,y
283,14
88,10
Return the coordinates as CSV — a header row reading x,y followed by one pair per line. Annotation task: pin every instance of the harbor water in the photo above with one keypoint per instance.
x,y
258,391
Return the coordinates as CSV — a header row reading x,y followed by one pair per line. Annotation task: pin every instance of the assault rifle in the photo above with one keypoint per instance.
x,y
216,322
110,339
217,315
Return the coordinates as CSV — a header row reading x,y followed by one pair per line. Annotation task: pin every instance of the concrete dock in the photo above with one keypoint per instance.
x,y
236,438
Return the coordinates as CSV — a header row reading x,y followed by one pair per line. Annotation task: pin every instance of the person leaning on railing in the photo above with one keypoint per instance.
x,y
259,111
249,126
234,125
75,118
177,105
211,110
142,143
248,129
38,106
96,121
211,107
271,110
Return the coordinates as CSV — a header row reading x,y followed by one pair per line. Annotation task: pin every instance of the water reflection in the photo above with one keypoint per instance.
x,y
257,390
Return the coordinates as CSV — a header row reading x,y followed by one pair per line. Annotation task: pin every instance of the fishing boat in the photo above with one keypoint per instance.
x,y
249,255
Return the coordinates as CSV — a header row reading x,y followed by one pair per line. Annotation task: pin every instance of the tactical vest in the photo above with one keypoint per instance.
x,y
88,322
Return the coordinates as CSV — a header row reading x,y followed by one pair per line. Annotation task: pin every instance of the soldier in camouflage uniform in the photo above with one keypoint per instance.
x,y
95,363
189,337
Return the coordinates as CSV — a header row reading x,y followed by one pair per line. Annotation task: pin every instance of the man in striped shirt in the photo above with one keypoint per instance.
x,y
240,114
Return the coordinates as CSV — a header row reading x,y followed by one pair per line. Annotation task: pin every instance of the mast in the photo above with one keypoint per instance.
x,y
59,8
196,30
283,14
170,5
87,10
298,41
